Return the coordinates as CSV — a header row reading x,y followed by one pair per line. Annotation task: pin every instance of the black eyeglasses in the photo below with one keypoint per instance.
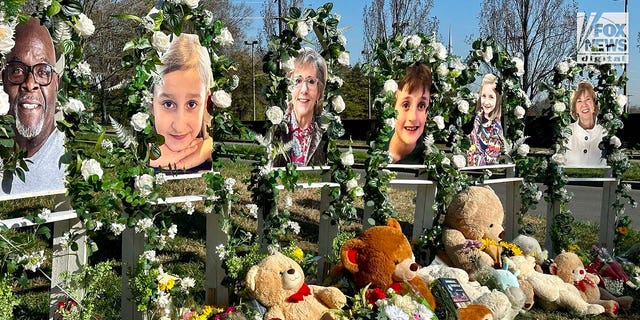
x,y
17,73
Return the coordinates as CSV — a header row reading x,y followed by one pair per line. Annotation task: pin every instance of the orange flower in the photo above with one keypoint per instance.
x,y
623,230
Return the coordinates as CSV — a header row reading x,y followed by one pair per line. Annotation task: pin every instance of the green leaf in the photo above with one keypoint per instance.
x,y
294,13
128,17
53,9
72,8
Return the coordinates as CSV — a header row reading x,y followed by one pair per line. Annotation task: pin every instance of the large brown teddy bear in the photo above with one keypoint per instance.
x,y
277,282
473,214
569,267
382,257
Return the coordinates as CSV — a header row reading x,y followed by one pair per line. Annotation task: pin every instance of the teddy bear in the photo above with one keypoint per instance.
x,y
550,290
569,267
474,213
382,258
277,282
531,247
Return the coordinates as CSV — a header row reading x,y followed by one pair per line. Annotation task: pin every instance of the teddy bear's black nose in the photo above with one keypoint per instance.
x,y
291,271
414,267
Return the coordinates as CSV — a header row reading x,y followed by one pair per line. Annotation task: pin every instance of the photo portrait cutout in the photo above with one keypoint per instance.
x,y
487,136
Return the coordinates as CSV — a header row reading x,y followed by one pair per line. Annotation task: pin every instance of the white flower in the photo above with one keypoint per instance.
x,y
519,112
160,41
73,106
61,32
523,149
446,87
275,115
440,50
562,67
191,3
393,312
391,122
538,195
84,26
117,228
347,158
189,207
253,210
342,40
83,69
143,224
390,86
343,58
608,116
150,255
221,99
172,231
446,161
439,121
188,282
442,69
33,260
413,41
487,54
229,183
288,202
148,23
338,103
90,167
225,38
519,65
98,225
144,184
559,107
615,141
337,80
222,251
44,213
235,81
353,183
621,100
6,37
293,226
161,178
558,158
65,240
208,16
288,65
302,29
139,121
4,102
463,106
459,160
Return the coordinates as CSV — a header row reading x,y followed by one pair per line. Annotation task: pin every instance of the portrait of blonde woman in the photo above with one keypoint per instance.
x,y
307,139
486,137
179,106
586,134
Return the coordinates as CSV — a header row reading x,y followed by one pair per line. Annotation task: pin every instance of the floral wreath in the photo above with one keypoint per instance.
x,y
612,105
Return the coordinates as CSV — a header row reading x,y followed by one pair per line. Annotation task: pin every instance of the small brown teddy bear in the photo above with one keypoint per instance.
x,y
473,214
382,257
277,282
569,267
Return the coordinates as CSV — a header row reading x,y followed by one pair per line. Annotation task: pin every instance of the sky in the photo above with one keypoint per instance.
x,y
463,23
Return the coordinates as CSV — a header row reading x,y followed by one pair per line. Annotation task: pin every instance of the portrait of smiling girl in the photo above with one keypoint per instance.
x,y
180,106
486,137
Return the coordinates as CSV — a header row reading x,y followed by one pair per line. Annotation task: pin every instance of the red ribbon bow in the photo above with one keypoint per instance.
x,y
582,284
299,296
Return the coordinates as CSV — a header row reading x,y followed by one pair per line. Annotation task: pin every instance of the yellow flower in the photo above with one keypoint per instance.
x,y
298,254
166,285
623,230
573,248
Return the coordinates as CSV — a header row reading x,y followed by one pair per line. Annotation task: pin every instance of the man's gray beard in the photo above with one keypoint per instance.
x,y
28,133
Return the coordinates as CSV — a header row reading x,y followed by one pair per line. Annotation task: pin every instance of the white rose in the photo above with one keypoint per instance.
x,y
288,65
191,3
439,120
463,106
73,106
90,167
337,80
442,69
343,58
225,38
523,149
302,29
414,41
562,67
519,112
621,100
459,160
390,86
144,184
275,115
84,26
4,103
440,50
353,183
221,99
342,40
347,158
338,104
487,54
446,87
559,107
519,65
139,121
608,116
160,41
446,161
82,69
6,38
558,158
391,122
615,141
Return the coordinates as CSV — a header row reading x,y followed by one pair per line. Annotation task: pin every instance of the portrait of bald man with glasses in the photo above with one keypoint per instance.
x,y
30,80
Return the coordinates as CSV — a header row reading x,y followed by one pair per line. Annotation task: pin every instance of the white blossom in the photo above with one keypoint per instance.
x,y
161,178
98,225
459,160
208,16
293,226
144,184
352,183
288,202
391,122
253,210
523,150
463,106
229,183
73,106
390,86
446,87
191,3
302,29
621,100
139,121
538,195
288,65
343,58
446,161
189,207
90,167
33,260
347,158
222,251
160,41
519,66
519,112
187,283
221,99
338,103
83,69
275,115
235,81
337,80
224,38
44,213
558,158
150,255
439,121
562,67
117,228
143,224
342,40
172,231
440,50
615,141
6,37
413,41
608,116
487,54
559,107
43,4
4,102
84,27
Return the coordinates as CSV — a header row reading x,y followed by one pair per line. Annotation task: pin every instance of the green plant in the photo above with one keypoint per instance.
x,y
7,299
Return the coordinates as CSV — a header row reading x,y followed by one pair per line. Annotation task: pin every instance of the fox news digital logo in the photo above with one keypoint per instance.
x,y
603,38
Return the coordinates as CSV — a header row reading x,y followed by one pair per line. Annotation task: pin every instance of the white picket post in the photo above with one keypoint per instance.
x,y
215,292
132,247
327,230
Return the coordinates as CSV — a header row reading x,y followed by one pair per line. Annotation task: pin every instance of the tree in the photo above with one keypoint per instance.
x,y
385,19
272,9
541,32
